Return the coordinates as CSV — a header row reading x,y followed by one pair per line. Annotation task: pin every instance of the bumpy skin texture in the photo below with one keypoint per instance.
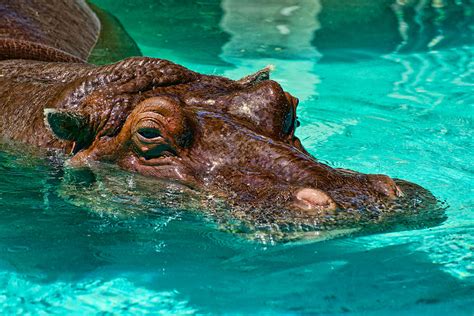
x,y
232,138
53,30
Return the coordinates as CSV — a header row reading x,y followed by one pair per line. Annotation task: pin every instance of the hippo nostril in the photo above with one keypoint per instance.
x,y
314,200
385,185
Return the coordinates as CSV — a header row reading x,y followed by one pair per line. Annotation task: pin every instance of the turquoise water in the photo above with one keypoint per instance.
x,y
387,88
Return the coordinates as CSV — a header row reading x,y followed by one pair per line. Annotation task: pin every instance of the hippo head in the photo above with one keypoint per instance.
x,y
235,139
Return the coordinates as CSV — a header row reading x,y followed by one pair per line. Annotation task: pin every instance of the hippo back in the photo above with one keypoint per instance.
x,y
53,30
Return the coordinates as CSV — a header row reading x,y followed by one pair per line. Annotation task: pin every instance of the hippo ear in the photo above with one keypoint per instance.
x,y
261,75
67,125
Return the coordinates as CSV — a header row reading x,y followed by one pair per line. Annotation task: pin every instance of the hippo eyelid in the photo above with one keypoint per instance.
x,y
149,133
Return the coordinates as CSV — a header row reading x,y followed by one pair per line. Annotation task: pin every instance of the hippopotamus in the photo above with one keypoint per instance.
x,y
232,138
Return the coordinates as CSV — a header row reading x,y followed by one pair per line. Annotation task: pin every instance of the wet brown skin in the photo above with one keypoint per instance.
x,y
232,138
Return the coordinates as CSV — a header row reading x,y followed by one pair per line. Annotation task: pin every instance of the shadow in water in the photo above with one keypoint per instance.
x,y
293,29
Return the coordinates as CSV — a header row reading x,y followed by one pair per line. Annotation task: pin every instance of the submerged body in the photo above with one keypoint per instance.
x,y
234,139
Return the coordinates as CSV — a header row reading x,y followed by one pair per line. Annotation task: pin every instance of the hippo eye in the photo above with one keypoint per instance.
x,y
149,133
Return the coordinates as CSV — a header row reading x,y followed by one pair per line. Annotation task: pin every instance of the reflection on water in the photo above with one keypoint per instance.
x,y
427,76
273,33
433,24
271,28
361,27
386,87
293,29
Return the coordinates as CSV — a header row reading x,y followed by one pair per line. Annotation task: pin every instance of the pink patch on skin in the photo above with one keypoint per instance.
x,y
314,200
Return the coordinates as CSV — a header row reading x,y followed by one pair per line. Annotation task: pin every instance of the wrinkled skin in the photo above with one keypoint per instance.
x,y
232,139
